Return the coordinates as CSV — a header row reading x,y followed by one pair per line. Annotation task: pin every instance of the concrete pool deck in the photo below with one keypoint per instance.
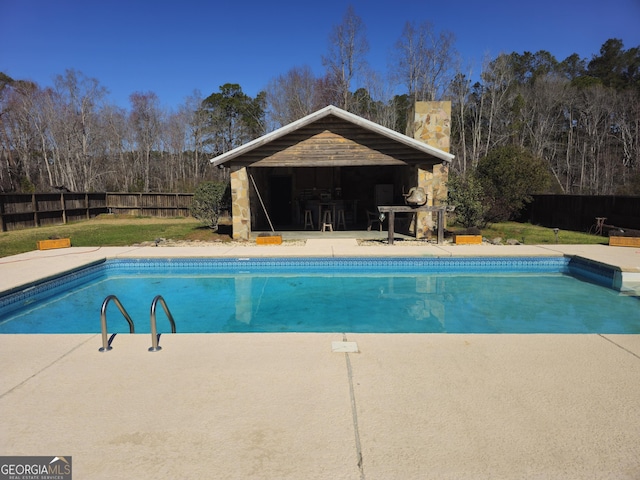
x,y
285,406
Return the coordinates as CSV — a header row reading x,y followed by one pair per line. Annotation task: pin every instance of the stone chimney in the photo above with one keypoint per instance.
x,y
431,124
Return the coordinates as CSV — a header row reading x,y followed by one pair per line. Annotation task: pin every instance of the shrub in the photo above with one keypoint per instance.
x,y
208,200
465,193
509,176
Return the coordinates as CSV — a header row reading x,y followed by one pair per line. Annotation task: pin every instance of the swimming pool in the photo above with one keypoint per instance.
x,y
382,295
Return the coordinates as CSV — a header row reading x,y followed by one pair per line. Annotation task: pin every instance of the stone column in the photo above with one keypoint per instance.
x,y
424,221
240,207
432,125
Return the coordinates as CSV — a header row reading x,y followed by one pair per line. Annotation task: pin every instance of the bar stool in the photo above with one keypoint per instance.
x,y
308,219
327,221
340,220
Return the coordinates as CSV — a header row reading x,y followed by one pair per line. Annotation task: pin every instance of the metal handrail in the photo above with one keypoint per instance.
x,y
154,331
106,344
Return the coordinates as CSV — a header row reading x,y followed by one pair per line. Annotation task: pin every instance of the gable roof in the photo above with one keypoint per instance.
x,y
332,111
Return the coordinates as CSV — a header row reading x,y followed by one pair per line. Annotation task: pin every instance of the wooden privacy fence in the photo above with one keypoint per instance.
x,y
579,212
26,210
149,204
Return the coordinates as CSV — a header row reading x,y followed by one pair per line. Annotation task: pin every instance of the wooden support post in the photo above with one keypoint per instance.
x,y
34,205
391,222
62,207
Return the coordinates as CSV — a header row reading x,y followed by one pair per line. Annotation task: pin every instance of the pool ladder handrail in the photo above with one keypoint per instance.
x,y
154,331
106,344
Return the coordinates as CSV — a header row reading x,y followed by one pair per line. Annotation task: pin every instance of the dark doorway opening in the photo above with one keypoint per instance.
x,y
280,199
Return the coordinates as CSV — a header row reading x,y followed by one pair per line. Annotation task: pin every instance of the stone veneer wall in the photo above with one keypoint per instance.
x,y
240,206
432,125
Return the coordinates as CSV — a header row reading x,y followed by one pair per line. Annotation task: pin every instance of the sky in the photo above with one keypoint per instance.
x,y
174,48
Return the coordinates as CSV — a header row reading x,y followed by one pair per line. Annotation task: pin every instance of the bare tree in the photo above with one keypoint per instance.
x,y
348,46
328,91
19,137
424,61
120,174
475,124
594,124
628,123
460,104
497,77
145,121
77,102
196,124
543,120
42,117
382,109
292,96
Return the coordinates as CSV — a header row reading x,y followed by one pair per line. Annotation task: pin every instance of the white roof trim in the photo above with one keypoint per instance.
x,y
338,112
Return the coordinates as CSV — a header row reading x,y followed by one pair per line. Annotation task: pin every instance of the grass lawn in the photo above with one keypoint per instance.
x,y
109,230
114,231
536,235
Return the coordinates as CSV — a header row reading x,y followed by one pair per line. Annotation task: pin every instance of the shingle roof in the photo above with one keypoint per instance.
x,y
342,114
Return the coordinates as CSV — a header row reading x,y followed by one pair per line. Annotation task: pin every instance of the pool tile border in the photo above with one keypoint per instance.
x,y
421,264
17,297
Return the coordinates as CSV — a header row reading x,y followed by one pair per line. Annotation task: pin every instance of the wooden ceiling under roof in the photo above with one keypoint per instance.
x,y
329,142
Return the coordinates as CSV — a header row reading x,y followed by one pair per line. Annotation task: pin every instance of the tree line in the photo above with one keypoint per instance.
x,y
580,116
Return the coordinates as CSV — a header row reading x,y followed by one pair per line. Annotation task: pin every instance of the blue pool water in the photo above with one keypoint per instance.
x,y
453,295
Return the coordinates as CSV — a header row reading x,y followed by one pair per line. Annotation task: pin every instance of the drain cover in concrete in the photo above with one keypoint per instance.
x,y
344,347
